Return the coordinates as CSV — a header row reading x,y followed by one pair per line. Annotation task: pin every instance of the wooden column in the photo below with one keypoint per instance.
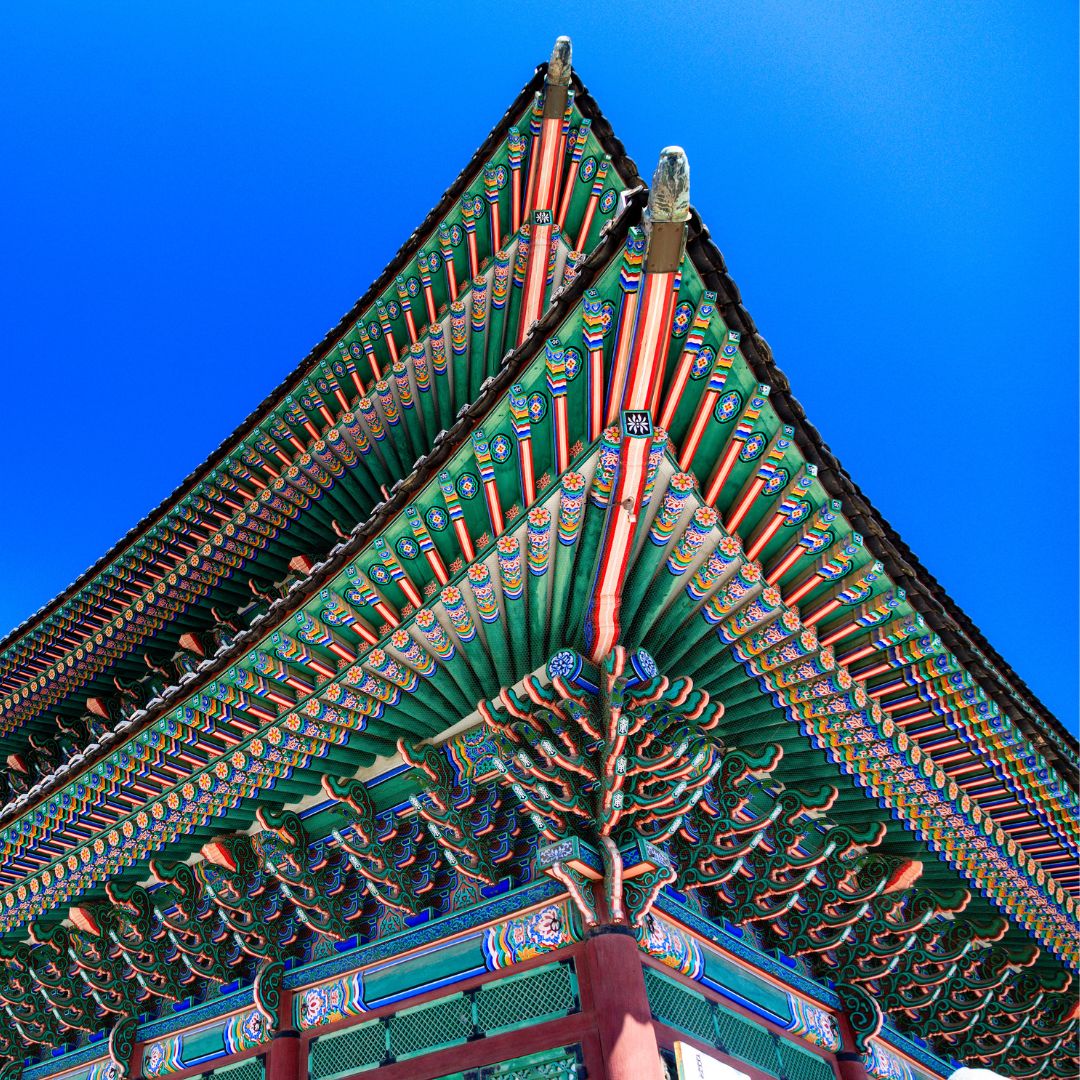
x,y
283,1057
849,1061
620,1005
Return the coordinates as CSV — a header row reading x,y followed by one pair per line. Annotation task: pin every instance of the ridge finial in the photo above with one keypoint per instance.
x,y
669,197
558,72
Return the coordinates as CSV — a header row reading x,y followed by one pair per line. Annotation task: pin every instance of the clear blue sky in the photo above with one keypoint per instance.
x,y
191,193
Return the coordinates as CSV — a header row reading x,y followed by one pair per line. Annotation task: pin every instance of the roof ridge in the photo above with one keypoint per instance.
x,y
378,285
906,568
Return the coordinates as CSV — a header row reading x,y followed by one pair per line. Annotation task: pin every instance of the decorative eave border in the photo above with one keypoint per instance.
x,y
905,570
623,164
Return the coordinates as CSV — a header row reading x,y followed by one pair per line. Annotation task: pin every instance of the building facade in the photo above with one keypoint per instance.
x,y
524,690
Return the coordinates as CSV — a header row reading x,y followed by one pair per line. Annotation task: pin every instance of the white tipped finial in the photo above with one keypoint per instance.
x,y
558,73
669,198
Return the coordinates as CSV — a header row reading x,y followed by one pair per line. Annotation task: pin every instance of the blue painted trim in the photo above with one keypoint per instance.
x,y
199,1014
746,1003
739,947
397,770
85,1055
498,907
378,1003
916,1050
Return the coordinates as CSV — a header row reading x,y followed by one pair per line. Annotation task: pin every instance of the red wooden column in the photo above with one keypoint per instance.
x,y
849,1062
283,1057
620,1005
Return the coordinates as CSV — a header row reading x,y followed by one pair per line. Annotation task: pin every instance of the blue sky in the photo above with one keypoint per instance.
x,y
191,193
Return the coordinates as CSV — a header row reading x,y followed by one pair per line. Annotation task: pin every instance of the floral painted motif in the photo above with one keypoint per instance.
x,y
533,934
572,360
468,486
474,754
163,1057
537,407
407,548
671,946
752,447
246,1031
436,519
728,406
882,1065
379,574
776,482
501,448
680,324
328,1002
814,1025
702,362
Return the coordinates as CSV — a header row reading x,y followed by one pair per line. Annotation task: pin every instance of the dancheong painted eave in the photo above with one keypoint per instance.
x,y
757,355
43,665
1044,728
108,744
624,675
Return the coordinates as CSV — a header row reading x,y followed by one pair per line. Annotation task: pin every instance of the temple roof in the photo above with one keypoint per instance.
x,y
879,684
306,590
33,648
1046,731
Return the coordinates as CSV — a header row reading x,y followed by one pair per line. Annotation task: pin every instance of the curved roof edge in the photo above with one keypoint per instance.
x,y
620,160
401,494
945,616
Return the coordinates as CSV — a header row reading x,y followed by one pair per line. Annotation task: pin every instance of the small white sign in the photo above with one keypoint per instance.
x,y
694,1065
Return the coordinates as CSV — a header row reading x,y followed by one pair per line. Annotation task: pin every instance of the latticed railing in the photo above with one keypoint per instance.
x,y
360,1047
252,1069
531,997
563,1063
686,1010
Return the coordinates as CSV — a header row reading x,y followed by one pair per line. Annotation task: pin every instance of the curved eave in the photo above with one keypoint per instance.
x,y
620,161
944,615
402,493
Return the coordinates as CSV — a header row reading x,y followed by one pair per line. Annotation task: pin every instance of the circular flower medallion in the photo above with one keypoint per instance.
x,y
565,664
776,482
314,1005
680,322
727,408
800,512
500,448
407,548
572,359
753,447
702,363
